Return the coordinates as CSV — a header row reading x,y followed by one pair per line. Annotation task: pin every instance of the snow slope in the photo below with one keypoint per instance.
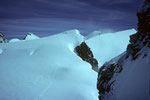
x,y
133,82
46,69
130,83
107,46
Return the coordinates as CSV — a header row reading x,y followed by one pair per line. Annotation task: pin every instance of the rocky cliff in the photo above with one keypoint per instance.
x,y
113,74
86,54
142,37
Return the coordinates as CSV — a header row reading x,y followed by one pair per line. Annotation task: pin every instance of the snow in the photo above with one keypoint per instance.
x,y
107,46
93,34
49,69
1,51
71,48
14,40
31,36
133,83
46,69
31,52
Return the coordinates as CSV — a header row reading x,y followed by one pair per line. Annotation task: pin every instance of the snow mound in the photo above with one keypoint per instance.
x,y
107,46
14,40
31,36
46,69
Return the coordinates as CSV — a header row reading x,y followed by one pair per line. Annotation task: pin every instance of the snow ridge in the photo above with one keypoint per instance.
x,y
46,69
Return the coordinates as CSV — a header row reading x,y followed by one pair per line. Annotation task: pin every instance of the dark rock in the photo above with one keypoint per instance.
x,y
28,34
105,81
2,38
86,54
142,37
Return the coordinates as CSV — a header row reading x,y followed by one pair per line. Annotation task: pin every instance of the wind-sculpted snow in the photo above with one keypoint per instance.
x,y
46,69
93,34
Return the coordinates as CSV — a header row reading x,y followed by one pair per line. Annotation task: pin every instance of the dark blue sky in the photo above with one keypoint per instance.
x,y
47,17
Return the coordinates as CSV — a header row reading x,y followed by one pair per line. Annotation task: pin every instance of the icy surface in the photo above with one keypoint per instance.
x,y
107,46
46,69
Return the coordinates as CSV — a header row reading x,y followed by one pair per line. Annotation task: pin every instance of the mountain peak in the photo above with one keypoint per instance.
x,y
30,36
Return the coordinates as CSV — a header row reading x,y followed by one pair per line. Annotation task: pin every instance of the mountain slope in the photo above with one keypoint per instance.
x,y
127,77
49,68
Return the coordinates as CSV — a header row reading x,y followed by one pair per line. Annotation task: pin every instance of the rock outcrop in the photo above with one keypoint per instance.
x,y
2,38
142,37
138,42
86,54
30,36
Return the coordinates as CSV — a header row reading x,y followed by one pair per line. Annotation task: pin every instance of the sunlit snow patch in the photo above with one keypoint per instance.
x,y
32,52
1,51
71,48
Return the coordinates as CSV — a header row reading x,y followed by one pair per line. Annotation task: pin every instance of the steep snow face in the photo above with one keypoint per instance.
x,y
133,82
107,46
31,36
46,69
125,79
